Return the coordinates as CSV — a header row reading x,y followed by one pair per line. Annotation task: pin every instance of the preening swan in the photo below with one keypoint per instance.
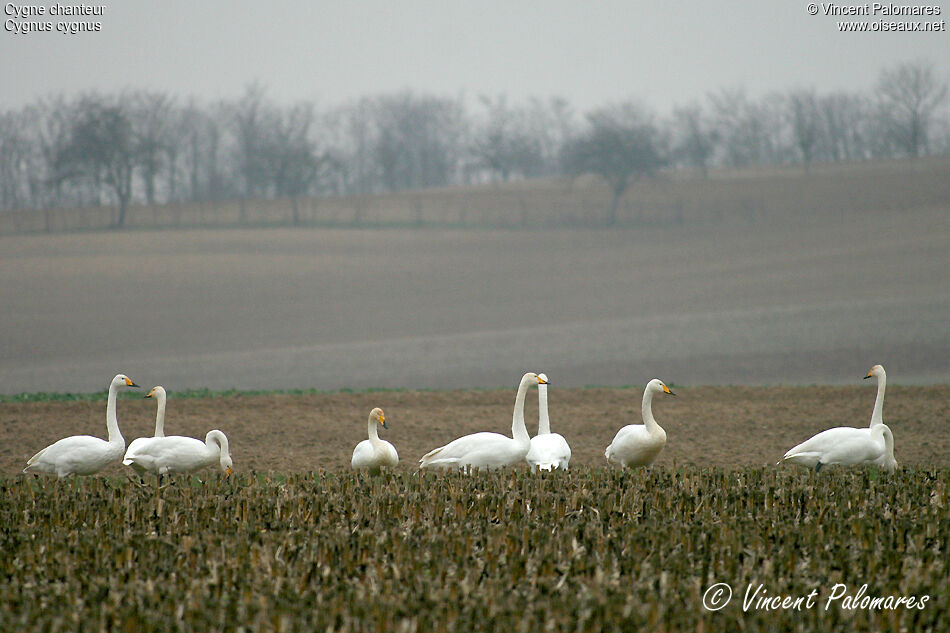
x,y
848,445
157,392
177,454
372,454
639,444
84,454
488,450
547,450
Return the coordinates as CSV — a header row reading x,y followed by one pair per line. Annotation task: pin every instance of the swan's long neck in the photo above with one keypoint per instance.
x,y
877,415
160,416
112,422
544,424
518,430
372,431
218,442
646,410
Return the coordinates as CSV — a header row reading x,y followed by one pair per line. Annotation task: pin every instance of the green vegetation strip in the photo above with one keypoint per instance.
x,y
587,550
43,396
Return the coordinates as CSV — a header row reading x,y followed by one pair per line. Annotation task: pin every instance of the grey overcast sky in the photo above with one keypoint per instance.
x,y
591,52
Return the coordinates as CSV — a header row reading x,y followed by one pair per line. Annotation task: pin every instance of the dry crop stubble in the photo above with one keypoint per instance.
x,y
589,549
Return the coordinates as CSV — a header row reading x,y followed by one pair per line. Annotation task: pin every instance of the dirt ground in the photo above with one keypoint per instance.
x,y
715,426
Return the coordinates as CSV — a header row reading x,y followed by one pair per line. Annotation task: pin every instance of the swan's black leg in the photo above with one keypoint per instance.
x,y
818,466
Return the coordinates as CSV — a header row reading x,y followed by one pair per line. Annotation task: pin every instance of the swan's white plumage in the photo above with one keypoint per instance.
x,y
640,444
487,450
84,454
157,392
373,453
176,454
849,446
547,450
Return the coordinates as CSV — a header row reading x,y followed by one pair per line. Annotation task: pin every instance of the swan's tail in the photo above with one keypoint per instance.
x,y
429,457
30,461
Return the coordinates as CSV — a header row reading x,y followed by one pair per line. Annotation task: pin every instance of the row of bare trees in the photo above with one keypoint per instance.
x,y
95,149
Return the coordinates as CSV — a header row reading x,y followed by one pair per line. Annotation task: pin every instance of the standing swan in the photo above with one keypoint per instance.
x,y
84,454
157,392
177,454
488,450
374,453
548,450
848,445
639,444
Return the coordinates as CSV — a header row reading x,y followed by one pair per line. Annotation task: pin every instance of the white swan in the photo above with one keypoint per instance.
x,y
157,392
372,454
177,454
547,450
877,414
639,444
848,445
487,450
84,454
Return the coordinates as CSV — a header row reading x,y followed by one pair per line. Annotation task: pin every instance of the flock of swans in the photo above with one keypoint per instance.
x,y
634,445
158,455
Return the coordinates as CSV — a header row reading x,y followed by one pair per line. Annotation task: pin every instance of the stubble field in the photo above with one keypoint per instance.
x,y
296,542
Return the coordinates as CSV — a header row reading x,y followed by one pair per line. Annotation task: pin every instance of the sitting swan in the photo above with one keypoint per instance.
x,y
372,454
157,392
84,454
488,450
848,445
548,450
177,454
639,444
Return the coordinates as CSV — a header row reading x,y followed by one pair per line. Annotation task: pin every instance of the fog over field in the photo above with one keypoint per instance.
x,y
760,303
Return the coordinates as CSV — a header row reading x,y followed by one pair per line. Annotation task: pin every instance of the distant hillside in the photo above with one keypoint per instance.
x,y
725,197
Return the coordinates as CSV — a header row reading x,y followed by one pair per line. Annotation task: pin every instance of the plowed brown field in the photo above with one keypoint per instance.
x,y
716,426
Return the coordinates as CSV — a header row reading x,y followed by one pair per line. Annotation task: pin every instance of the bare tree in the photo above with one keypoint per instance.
x,y
696,138
293,158
844,126
504,142
15,161
247,117
551,122
805,121
621,145
150,114
418,141
750,132
909,96
102,147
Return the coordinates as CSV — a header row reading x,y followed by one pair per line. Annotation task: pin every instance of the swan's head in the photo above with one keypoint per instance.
x,y
380,417
534,379
157,392
226,465
121,380
658,386
877,371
